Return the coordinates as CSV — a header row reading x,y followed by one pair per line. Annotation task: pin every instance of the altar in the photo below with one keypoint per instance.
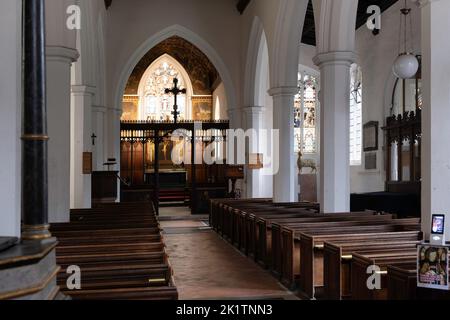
x,y
168,178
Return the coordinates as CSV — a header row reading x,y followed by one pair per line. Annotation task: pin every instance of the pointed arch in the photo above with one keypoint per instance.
x,y
176,30
257,35
286,46
335,24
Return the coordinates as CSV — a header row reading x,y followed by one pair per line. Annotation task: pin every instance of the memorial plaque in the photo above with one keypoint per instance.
x,y
87,162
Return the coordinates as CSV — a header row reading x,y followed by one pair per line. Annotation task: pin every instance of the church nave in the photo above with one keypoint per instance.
x,y
206,267
224,150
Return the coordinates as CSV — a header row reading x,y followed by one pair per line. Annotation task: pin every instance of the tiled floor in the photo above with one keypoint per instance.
x,y
174,211
207,267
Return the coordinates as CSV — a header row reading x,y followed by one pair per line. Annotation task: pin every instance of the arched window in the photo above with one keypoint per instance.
x,y
154,103
355,115
305,111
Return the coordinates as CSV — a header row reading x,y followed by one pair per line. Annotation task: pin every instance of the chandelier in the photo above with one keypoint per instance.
x,y
406,65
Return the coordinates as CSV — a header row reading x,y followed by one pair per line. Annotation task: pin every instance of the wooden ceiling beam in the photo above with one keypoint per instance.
x,y
108,4
242,5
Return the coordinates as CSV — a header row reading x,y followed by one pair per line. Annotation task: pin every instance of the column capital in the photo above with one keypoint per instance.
x,y
253,110
232,111
423,3
283,91
84,90
61,54
335,57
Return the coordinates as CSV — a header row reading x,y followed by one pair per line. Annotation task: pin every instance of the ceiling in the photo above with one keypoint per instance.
x,y
309,29
241,5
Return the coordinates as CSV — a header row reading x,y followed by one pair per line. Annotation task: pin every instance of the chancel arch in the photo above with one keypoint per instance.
x,y
194,39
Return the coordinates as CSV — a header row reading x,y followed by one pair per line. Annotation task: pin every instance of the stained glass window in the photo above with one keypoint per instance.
x,y
157,105
305,110
355,115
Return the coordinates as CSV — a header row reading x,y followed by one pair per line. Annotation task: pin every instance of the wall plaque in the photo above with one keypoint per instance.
x,y
370,136
255,161
87,162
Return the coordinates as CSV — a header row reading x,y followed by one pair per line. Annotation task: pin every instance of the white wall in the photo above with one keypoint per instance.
x,y
307,53
376,57
10,116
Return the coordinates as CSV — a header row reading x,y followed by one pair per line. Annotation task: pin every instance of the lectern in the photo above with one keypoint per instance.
x,y
104,187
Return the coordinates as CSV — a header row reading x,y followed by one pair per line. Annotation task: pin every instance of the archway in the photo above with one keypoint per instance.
x,y
201,44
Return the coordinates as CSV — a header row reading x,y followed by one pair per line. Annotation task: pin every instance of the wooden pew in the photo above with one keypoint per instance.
x,y
402,284
359,276
120,251
244,223
263,230
217,207
285,234
286,262
337,257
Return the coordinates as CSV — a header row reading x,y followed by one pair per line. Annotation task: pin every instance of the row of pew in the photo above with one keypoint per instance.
x,y
120,251
324,256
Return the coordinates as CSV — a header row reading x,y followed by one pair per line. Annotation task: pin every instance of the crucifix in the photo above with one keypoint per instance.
x,y
175,91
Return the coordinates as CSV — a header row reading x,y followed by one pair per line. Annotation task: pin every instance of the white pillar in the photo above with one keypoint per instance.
x,y
253,119
112,139
99,129
283,121
436,112
59,61
10,116
113,134
334,130
81,130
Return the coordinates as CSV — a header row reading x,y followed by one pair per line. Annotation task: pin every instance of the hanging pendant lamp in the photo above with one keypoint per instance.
x,y
406,65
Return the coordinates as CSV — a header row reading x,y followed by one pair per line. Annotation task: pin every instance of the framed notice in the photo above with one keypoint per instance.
x,y
370,136
87,162
432,267
255,161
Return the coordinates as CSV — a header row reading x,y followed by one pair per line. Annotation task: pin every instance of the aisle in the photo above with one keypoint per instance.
x,y
207,267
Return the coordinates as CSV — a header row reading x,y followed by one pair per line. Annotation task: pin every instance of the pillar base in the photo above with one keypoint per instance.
x,y
37,232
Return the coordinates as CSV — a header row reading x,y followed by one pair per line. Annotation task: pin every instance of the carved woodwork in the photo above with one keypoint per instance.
x,y
400,128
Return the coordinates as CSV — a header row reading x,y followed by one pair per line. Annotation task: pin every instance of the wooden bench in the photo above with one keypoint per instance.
x,y
337,257
243,223
360,264
401,281
120,251
286,260
263,230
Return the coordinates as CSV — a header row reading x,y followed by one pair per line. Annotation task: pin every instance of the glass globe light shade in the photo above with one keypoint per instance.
x,y
406,66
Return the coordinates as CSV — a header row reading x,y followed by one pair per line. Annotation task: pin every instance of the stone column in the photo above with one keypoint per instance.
x,y
334,130
283,120
253,119
112,138
436,112
59,62
81,131
10,119
99,130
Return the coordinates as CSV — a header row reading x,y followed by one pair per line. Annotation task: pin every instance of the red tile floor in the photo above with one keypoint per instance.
x,y
207,267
